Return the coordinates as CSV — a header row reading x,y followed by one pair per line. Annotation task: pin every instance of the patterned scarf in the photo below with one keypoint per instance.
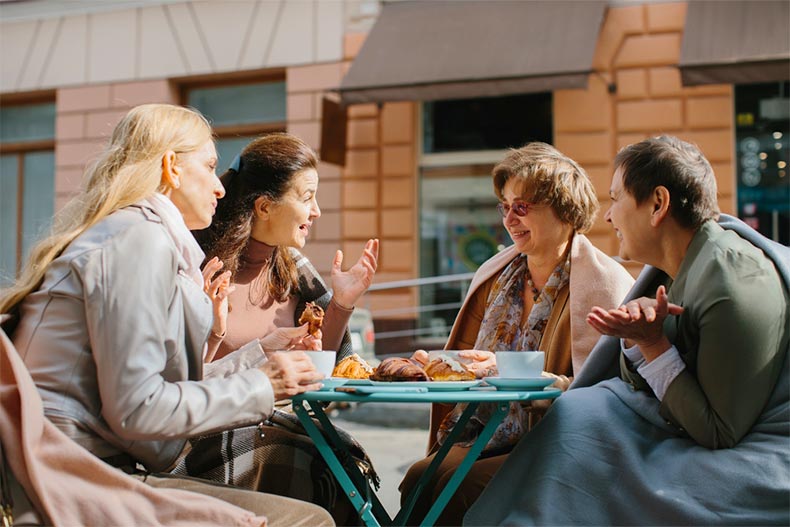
x,y
501,330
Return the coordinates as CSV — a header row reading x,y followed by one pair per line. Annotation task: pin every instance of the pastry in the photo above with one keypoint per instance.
x,y
352,367
446,368
313,314
398,369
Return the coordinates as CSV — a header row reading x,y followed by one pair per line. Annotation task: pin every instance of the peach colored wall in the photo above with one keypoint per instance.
x,y
305,86
85,117
375,193
379,196
639,49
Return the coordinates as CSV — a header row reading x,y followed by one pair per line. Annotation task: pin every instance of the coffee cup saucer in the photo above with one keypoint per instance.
x,y
519,383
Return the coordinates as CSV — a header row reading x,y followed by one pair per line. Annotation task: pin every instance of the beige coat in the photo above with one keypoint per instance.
x,y
114,337
67,485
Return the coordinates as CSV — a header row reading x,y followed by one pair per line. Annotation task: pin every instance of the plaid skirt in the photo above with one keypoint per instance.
x,y
276,457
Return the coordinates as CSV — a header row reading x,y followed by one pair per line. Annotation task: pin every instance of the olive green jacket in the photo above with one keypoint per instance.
x,y
731,336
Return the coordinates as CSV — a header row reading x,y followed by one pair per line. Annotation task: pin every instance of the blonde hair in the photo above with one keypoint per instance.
x,y
127,171
546,175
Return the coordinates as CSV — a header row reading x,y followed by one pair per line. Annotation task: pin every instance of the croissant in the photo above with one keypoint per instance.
x,y
445,368
352,367
395,369
313,314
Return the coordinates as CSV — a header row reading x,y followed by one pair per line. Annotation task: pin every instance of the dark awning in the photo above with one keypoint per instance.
x,y
429,50
728,42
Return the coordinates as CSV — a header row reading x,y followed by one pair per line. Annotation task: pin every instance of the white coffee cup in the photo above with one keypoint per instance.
x,y
324,361
520,364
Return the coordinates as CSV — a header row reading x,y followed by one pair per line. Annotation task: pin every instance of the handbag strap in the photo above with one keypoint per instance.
x,y
6,500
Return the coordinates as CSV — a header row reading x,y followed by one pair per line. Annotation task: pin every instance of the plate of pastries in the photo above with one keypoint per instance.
x,y
443,372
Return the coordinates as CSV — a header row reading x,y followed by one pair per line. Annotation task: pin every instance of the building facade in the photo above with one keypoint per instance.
x,y
416,152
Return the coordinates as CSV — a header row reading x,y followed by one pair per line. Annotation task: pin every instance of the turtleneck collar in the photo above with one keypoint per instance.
x,y
252,260
257,253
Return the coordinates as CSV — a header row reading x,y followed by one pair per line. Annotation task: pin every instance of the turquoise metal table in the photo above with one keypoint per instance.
x,y
355,485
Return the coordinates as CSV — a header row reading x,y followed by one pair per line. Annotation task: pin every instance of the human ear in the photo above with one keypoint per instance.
x,y
262,208
171,172
660,202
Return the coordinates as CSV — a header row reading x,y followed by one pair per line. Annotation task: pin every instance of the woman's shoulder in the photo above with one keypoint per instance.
x,y
133,232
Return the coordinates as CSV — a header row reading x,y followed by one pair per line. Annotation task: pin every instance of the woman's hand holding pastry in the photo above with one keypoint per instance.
x,y
480,362
349,285
421,357
640,322
284,339
560,381
217,288
291,373
313,342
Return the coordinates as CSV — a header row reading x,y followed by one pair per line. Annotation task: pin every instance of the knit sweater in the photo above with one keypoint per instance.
x,y
254,313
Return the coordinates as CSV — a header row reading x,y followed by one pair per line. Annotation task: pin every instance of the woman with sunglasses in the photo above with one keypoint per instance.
x,y
533,295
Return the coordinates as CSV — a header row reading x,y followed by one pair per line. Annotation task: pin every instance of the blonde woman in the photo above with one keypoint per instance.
x,y
111,316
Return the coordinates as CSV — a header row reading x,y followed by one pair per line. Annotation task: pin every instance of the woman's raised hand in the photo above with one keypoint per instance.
x,y
640,322
349,285
217,288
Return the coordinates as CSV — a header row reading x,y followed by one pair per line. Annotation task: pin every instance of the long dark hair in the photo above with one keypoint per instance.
x,y
266,167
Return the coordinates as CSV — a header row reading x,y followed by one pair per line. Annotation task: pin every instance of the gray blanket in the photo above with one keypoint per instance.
x,y
617,463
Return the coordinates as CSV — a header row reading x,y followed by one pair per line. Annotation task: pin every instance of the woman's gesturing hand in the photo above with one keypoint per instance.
x,y
349,285
640,322
291,373
217,290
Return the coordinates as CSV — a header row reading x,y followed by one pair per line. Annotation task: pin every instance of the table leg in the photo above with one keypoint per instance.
x,y
352,491
471,456
354,472
450,440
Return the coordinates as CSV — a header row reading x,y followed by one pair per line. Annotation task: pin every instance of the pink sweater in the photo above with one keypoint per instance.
x,y
254,314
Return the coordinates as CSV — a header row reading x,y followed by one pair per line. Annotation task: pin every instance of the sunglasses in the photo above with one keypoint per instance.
x,y
520,208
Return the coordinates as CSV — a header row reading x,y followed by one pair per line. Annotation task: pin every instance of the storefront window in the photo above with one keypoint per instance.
x,y
486,124
762,118
27,181
460,227
239,113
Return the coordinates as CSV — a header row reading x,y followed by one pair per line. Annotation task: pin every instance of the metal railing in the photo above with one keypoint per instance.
x,y
464,279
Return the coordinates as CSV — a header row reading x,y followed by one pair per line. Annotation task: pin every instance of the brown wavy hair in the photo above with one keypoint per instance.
x,y
546,175
266,168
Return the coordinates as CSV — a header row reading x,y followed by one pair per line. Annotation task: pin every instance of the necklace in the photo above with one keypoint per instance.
x,y
531,284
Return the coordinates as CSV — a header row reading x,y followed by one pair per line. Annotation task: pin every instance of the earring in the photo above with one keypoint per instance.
x,y
176,183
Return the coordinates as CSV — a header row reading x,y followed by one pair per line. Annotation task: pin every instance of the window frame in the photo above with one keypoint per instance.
x,y
20,149
230,131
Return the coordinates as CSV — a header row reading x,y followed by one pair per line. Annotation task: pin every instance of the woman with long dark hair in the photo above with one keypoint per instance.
x,y
260,225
